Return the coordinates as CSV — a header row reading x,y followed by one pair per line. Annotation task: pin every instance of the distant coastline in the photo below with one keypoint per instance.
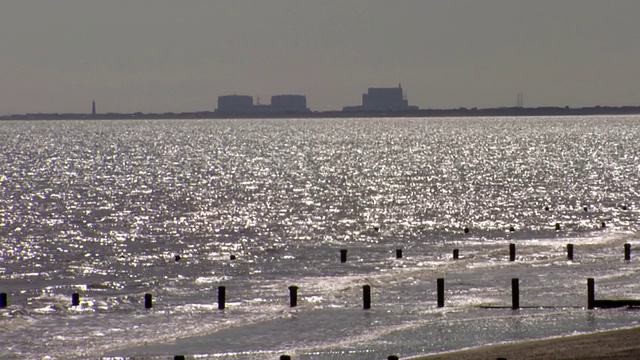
x,y
459,112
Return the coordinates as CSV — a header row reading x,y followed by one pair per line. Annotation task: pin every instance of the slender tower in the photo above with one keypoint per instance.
x,y
93,108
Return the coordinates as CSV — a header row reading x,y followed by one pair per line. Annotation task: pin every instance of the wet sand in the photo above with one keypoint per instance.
x,y
606,345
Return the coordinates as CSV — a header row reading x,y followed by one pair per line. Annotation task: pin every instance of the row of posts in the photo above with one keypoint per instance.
x,y
512,253
288,357
293,290
366,296
285,357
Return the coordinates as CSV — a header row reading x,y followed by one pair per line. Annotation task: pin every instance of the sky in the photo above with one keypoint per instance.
x,y
179,56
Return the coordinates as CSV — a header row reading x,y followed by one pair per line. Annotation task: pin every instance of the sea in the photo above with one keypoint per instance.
x,y
115,210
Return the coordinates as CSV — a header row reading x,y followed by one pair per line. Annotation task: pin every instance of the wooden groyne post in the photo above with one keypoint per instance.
x,y
75,299
512,252
343,255
4,301
515,294
627,252
366,297
222,295
591,293
398,253
456,254
570,252
440,292
148,301
285,357
293,296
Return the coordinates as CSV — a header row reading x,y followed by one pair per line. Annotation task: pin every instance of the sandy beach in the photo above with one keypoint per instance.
x,y
615,344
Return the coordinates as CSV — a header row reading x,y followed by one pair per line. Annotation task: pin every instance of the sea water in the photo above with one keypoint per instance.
x,y
102,208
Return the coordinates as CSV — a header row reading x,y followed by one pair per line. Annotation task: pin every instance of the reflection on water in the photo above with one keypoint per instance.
x,y
103,207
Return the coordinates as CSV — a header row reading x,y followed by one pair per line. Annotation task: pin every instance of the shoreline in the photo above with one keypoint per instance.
x,y
621,344
338,114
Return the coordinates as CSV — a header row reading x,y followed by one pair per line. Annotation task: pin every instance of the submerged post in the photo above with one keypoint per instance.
x,y
440,292
222,294
456,254
75,299
393,357
179,357
366,297
343,255
148,301
285,357
293,296
512,252
398,253
627,252
591,293
570,252
515,295
4,302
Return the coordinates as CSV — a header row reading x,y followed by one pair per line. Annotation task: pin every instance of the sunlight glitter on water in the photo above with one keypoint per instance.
x,y
103,207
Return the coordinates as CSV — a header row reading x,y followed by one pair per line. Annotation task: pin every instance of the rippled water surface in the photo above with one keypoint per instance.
x,y
102,208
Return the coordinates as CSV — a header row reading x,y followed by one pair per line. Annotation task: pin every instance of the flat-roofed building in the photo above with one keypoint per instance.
x,y
289,104
383,99
235,104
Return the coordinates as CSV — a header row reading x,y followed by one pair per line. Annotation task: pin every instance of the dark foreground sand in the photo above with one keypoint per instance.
x,y
608,345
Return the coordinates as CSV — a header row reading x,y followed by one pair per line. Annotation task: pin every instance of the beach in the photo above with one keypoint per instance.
x,y
615,344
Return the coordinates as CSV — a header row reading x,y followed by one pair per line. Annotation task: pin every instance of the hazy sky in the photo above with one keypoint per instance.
x,y
167,55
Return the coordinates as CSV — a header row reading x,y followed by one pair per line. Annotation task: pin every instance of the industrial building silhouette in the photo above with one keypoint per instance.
x,y
280,104
383,99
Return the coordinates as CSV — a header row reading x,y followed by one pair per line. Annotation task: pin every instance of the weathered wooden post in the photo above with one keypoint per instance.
x,y
179,357
285,357
466,230
558,227
515,295
398,253
4,301
591,293
456,254
393,357
627,252
366,297
293,296
148,301
222,295
75,299
512,252
570,252
343,255
440,292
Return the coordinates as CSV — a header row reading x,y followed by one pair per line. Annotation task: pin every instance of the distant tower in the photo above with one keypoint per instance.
x,y
93,108
520,100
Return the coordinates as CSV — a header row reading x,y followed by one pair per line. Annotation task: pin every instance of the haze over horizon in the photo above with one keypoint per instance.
x,y
167,56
